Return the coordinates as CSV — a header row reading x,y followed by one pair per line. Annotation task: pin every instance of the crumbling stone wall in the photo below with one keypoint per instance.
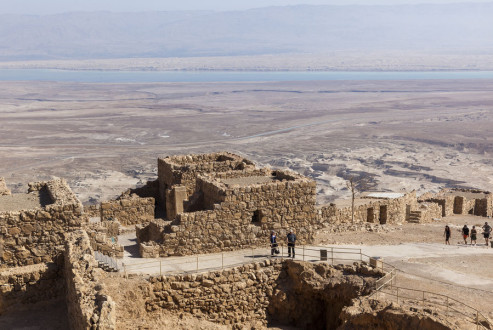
x,y
30,284
183,170
4,190
242,216
35,236
92,211
129,210
396,210
463,201
89,306
258,294
429,211
104,244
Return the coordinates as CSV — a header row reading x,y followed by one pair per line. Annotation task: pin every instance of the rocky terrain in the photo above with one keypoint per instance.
x,y
389,135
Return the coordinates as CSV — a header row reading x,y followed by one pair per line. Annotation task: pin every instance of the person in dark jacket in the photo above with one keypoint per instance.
x,y
291,238
447,233
465,233
273,243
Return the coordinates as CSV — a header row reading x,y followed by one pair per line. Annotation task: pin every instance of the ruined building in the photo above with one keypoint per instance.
x,y
221,201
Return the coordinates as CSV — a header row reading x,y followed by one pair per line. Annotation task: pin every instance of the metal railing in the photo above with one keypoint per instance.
x,y
109,262
331,254
200,263
441,302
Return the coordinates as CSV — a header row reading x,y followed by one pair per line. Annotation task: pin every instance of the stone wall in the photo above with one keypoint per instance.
x,y
429,211
243,216
89,306
92,211
395,209
35,236
256,294
30,284
463,201
129,210
4,190
103,243
183,170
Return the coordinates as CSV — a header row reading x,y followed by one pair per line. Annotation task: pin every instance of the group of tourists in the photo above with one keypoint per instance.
x,y
472,233
290,239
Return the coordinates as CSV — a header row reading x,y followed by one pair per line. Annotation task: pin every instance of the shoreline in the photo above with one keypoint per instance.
x,y
330,62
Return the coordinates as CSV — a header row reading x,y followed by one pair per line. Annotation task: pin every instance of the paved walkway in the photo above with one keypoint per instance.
x,y
132,263
397,255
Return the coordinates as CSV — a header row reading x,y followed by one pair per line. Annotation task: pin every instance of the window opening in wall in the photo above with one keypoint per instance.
x,y
256,217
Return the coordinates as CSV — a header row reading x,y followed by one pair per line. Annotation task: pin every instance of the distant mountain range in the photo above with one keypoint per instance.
x,y
453,28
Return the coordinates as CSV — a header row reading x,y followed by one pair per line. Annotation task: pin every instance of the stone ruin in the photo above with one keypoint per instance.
x,y
462,201
234,207
221,201
202,203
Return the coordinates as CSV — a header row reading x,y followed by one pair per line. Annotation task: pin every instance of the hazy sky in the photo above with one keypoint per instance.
x,y
57,6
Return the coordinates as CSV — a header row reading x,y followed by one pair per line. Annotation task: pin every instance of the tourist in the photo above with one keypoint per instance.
x,y
486,232
465,233
473,235
446,233
291,238
273,243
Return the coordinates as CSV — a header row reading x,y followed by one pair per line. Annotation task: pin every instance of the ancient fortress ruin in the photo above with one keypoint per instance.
x,y
203,204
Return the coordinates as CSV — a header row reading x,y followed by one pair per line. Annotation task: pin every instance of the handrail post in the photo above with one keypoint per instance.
x,y
160,268
332,255
477,319
423,301
197,263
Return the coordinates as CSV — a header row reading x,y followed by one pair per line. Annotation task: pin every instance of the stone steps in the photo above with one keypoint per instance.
x,y
414,217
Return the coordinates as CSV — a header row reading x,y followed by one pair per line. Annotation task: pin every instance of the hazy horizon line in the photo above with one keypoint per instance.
x,y
253,8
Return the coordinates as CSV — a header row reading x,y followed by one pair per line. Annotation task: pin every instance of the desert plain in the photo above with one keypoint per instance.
x,y
387,135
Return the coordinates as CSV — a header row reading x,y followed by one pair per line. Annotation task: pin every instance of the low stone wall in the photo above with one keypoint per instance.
x,y
129,210
257,293
89,306
3,188
34,236
396,211
104,244
30,284
429,211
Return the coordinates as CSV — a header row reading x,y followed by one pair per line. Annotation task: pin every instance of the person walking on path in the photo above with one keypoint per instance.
x,y
486,232
465,233
474,233
447,233
273,243
291,238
